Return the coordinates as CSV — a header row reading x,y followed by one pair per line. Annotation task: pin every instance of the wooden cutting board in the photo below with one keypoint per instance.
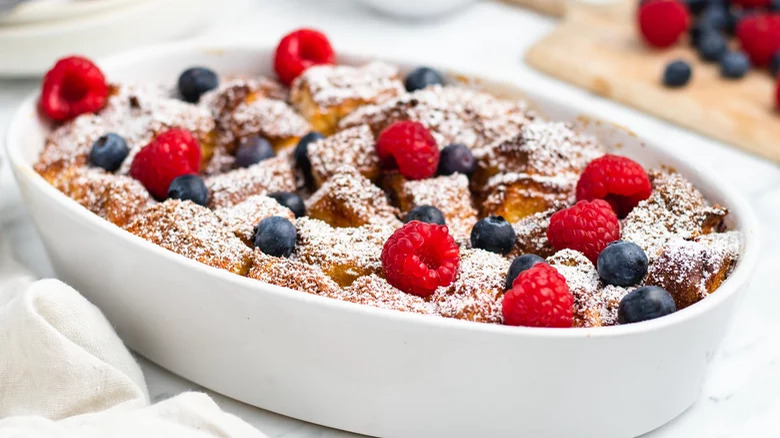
x,y
550,7
597,47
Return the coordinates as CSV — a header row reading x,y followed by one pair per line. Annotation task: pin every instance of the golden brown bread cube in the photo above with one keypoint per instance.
x,y
344,254
272,175
517,195
531,232
291,274
354,147
691,270
242,218
373,290
348,199
324,94
194,232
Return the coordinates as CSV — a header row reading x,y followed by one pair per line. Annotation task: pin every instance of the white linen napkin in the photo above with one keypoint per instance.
x,y
65,373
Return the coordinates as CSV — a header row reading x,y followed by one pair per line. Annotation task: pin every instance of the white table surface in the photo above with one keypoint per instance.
x,y
741,395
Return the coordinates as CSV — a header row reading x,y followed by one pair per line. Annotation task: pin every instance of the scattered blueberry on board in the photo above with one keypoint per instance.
x,y
108,152
677,74
712,45
302,152
622,264
774,65
734,65
291,201
645,303
422,77
493,234
195,81
252,150
189,187
519,265
425,213
457,158
275,236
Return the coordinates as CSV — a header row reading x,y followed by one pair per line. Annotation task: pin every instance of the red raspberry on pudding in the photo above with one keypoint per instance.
x,y
419,257
299,50
74,86
171,154
587,227
759,36
409,146
620,181
539,297
662,22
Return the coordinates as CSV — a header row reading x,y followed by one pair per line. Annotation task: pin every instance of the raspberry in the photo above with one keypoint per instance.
x,y
420,257
662,22
539,297
171,154
73,86
752,3
411,147
618,180
587,226
299,50
759,36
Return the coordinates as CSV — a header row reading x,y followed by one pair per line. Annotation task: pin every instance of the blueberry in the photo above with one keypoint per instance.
x,y
253,150
774,65
774,5
712,45
108,152
697,6
302,152
493,234
622,264
696,31
457,158
645,303
734,65
425,213
715,16
421,77
189,187
275,236
291,201
520,264
195,81
677,74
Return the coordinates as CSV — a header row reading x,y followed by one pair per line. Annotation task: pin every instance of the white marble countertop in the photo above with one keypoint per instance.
x,y
741,395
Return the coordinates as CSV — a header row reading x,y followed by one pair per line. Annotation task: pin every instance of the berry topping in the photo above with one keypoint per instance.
x,y
409,146
697,6
622,264
493,234
195,81
425,213
677,74
519,265
734,65
418,258
73,86
539,297
299,50
189,187
302,152
774,66
291,201
108,152
645,303
662,22
759,35
421,77
173,153
253,150
457,158
275,236
620,181
715,17
711,45
752,3
587,227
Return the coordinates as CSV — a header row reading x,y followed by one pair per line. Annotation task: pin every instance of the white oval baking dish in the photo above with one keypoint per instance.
x,y
367,370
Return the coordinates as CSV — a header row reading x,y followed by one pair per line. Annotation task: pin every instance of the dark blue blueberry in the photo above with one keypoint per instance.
x,y
774,5
716,17
712,45
677,74
253,150
697,6
195,81
734,65
291,201
493,234
275,236
774,64
520,264
696,31
645,303
108,152
622,264
425,213
189,187
457,158
421,77
302,152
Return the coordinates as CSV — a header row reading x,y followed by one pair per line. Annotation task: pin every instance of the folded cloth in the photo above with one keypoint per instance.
x,y
65,373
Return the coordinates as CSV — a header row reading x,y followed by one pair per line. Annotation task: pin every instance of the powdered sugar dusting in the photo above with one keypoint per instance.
x,y
450,194
531,232
332,85
291,274
375,291
271,175
242,218
352,146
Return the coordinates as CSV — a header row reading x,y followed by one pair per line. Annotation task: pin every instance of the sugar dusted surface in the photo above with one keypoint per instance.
x,y
450,194
291,274
242,218
272,175
330,85
375,291
531,232
353,146
270,118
